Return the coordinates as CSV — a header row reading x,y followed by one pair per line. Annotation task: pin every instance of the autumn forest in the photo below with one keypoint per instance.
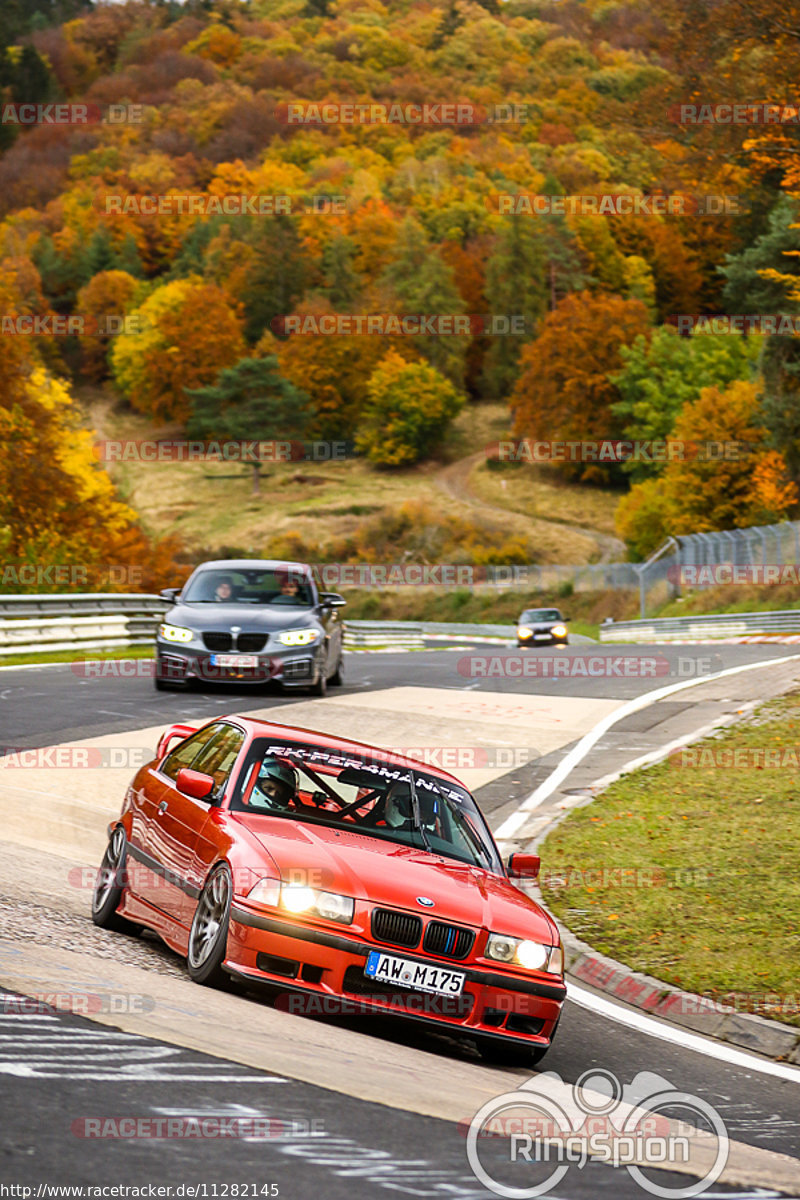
x,y
122,215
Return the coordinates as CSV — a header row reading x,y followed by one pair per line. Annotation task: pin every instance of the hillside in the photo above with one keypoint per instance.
x,y
201,204
210,506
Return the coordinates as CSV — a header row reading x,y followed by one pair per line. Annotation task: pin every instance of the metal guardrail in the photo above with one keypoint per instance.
x,y
454,629
83,604
110,620
107,621
675,629
399,635
78,621
410,635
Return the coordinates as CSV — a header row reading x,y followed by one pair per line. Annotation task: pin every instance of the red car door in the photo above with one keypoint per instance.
x,y
157,788
178,839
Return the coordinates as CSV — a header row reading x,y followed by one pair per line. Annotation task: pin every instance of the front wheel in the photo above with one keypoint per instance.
x,y
208,936
320,688
109,886
337,678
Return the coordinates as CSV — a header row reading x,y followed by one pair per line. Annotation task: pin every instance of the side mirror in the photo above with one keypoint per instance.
x,y
524,866
170,594
332,599
194,783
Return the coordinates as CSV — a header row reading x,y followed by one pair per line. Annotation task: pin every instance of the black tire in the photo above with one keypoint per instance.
x,y
110,884
337,678
208,936
165,679
320,688
510,1054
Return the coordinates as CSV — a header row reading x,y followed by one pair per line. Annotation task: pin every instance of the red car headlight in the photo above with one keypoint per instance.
x,y
521,952
298,898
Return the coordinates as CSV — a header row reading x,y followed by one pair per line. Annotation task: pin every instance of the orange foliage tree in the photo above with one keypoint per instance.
x,y
563,392
187,331
57,504
728,478
107,297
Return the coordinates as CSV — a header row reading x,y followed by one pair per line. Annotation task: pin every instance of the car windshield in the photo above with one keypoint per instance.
x,y
541,614
373,796
284,586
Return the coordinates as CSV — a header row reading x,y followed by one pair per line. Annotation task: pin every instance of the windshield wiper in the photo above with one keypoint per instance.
x,y
466,824
415,809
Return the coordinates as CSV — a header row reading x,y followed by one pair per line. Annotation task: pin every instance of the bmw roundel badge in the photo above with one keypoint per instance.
x,y
425,901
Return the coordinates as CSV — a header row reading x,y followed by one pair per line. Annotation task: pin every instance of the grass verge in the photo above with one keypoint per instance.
x,y
68,656
687,871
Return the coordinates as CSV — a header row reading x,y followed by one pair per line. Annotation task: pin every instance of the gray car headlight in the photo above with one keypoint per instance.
x,y
175,633
298,637
520,952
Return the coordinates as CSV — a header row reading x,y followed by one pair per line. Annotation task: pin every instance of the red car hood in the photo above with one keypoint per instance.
x,y
387,873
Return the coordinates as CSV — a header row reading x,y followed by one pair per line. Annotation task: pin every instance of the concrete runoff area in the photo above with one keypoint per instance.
x,y
65,809
54,834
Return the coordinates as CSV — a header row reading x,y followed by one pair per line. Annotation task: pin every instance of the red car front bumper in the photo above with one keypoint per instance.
x,y
321,972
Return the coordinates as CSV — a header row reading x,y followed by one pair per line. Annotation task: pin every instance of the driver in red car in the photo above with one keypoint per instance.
x,y
276,786
398,808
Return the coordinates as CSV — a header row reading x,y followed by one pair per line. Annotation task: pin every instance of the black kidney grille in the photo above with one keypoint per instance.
x,y
397,928
217,641
251,642
449,941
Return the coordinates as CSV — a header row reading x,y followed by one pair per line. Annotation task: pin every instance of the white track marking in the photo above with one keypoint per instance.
x,y
144,1076
34,1017
679,1036
517,819
601,1005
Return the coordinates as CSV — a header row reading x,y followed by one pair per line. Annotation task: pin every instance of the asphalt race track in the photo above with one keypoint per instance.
x,y
170,1084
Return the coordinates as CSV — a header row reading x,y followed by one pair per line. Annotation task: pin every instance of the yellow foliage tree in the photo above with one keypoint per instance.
x,y
187,332
408,410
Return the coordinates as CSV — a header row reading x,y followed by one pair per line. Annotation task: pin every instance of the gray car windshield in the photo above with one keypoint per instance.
x,y
541,614
287,586
371,796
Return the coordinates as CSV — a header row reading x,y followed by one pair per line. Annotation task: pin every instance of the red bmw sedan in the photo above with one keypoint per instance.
x,y
350,879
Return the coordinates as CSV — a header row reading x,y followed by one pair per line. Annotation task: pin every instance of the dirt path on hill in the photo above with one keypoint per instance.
x,y
453,480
